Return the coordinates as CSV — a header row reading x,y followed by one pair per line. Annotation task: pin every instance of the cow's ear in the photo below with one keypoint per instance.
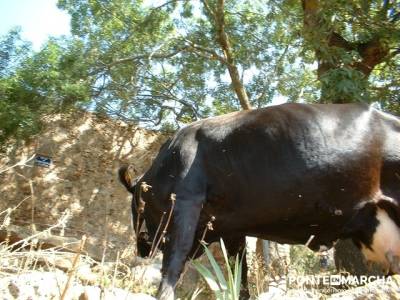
x,y
126,176
391,207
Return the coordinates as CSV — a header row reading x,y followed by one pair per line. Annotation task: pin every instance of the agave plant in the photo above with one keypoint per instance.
x,y
223,288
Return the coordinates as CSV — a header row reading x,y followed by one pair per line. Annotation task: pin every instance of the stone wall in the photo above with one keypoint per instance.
x,y
86,152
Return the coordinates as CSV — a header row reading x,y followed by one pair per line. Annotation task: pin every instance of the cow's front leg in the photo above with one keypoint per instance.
x,y
184,224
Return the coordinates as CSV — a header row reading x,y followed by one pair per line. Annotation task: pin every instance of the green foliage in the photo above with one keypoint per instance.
x,y
13,50
306,262
36,84
355,43
386,86
344,85
120,37
158,63
161,63
223,287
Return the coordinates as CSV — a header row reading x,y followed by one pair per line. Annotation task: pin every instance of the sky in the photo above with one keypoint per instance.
x,y
38,19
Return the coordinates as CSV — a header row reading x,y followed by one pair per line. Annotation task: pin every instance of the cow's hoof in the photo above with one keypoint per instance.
x,y
165,292
394,263
244,295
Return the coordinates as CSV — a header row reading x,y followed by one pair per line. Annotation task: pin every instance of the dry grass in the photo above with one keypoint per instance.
x,y
27,255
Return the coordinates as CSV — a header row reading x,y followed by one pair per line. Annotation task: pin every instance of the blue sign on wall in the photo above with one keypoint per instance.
x,y
42,161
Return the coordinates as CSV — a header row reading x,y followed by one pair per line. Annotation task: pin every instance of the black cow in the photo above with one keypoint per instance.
x,y
283,173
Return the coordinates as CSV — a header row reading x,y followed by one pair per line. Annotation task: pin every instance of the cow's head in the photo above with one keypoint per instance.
x,y
377,232
132,184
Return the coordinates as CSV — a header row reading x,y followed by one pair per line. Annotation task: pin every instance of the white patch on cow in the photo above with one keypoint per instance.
x,y
386,238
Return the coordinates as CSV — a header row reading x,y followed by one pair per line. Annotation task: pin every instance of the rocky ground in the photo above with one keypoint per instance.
x,y
50,285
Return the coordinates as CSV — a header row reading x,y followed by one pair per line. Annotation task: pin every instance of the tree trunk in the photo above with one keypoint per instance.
x,y
239,88
218,16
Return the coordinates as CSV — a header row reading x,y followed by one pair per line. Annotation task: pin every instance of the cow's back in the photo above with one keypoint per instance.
x,y
293,163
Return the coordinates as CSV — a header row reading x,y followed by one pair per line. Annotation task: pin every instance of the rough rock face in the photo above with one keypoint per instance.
x,y
86,152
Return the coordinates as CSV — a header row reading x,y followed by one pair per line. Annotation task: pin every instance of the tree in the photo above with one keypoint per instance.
x,y
35,84
351,39
164,64
184,60
12,116
123,43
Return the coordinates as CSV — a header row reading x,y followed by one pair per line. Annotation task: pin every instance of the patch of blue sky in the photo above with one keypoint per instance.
x,y
38,20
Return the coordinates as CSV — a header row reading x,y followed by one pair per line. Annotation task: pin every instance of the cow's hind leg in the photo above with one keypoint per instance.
x,y
181,236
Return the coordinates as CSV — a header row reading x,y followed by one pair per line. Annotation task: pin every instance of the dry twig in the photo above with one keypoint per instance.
x,y
164,232
20,163
72,271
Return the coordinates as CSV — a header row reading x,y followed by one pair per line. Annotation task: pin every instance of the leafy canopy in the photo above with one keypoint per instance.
x,y
167,63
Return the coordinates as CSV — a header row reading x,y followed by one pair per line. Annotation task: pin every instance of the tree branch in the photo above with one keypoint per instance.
x,y
147,56
165,4
209,11
224,43
212,54
20,163
336,40
372,52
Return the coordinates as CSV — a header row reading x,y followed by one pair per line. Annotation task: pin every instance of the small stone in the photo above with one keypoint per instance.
x,y
150,274
13,289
